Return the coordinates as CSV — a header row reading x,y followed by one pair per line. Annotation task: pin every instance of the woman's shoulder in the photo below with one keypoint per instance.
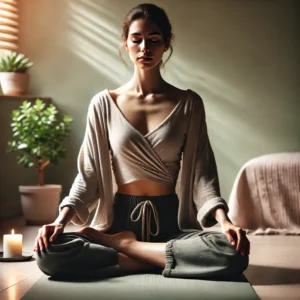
x,y
195,98
188,94
117,93
194,102
99,98
194,95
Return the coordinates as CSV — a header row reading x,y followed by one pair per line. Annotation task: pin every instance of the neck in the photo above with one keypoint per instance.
x,y
145,82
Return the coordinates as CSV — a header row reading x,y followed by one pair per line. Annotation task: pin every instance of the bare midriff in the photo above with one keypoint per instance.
x,y
146,187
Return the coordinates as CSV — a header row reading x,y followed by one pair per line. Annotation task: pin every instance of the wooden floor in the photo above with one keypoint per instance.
x,y
274,269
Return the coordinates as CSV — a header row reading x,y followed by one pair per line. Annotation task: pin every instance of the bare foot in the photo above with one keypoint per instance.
x,y
118,240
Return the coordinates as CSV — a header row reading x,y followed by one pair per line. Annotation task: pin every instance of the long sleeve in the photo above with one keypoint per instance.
x,y
203,170
87,190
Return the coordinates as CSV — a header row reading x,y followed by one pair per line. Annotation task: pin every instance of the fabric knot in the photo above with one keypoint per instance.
x,y
146,209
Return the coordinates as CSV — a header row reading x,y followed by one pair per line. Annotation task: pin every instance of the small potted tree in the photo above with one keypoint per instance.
x,y
37,135
14,77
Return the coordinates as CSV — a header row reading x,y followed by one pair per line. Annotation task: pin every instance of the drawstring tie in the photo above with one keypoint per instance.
x,y
145,212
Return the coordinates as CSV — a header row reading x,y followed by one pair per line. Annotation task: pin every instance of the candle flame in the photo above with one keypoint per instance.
x,y
12,231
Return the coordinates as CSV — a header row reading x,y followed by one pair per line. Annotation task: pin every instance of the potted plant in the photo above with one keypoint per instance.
x,y
14,78
38,134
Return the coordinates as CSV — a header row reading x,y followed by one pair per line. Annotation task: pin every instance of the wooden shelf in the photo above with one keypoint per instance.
x,y
25,97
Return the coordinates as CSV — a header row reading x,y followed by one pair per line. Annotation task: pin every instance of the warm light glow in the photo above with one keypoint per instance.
x,y
94,39
12,231
12,280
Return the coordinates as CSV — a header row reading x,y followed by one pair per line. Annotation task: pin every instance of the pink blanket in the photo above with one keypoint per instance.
x,y
265,198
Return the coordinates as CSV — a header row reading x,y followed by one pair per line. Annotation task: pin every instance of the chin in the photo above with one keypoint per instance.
x,y
147,66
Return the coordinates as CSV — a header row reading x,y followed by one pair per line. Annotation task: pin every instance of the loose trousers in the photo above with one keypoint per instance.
x,y
189,254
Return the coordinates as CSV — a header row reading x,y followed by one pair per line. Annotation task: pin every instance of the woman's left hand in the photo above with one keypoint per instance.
x,y
237,237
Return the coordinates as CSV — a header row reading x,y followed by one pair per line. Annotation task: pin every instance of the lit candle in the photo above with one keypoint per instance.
x,y
12,245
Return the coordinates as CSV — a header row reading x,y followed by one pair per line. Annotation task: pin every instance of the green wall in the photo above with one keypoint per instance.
x,y
242,57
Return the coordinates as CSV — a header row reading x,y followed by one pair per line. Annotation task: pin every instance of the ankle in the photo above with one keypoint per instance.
x,y
125,244
127,263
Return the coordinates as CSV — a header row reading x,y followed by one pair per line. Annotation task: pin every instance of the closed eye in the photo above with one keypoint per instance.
x,y
153,41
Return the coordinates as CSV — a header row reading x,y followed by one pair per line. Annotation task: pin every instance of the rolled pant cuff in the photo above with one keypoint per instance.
x,y
170,262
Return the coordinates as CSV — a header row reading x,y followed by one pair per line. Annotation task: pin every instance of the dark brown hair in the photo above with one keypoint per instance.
x,y
155,15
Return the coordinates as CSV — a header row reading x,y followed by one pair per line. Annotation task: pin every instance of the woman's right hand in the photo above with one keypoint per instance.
x,y
47,233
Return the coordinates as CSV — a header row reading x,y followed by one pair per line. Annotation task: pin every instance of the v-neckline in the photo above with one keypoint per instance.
x,y
132,127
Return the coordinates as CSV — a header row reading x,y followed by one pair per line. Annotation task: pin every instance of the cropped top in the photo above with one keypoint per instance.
x,y
155,156
111,145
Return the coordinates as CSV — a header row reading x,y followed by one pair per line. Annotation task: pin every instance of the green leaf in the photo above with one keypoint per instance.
x,y
38,132
15,113
20,159
20,118
22,146
14,62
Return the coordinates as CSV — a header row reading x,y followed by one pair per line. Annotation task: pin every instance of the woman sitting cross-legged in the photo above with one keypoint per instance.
x,y
146,130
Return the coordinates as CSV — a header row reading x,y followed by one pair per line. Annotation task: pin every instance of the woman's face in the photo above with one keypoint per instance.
x,y
145,40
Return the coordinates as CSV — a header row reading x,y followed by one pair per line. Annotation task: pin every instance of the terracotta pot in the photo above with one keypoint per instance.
x,y
40,203
14,84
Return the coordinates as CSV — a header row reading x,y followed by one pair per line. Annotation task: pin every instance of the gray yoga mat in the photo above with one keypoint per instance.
x,y
141,287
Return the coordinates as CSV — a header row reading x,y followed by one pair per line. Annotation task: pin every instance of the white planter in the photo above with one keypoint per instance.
x,y
40,203
14,84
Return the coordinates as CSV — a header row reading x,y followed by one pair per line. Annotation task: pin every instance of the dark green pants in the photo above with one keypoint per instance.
x,y
193,254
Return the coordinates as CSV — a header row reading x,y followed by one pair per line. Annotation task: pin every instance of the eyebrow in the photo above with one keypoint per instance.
x,y
152,33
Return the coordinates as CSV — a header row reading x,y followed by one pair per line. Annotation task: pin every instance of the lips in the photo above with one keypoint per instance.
x,y
144,58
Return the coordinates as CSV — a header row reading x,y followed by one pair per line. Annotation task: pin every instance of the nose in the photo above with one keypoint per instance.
x,y
144,46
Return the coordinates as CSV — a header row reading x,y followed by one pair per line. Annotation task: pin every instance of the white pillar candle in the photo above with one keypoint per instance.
x,y
12,245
